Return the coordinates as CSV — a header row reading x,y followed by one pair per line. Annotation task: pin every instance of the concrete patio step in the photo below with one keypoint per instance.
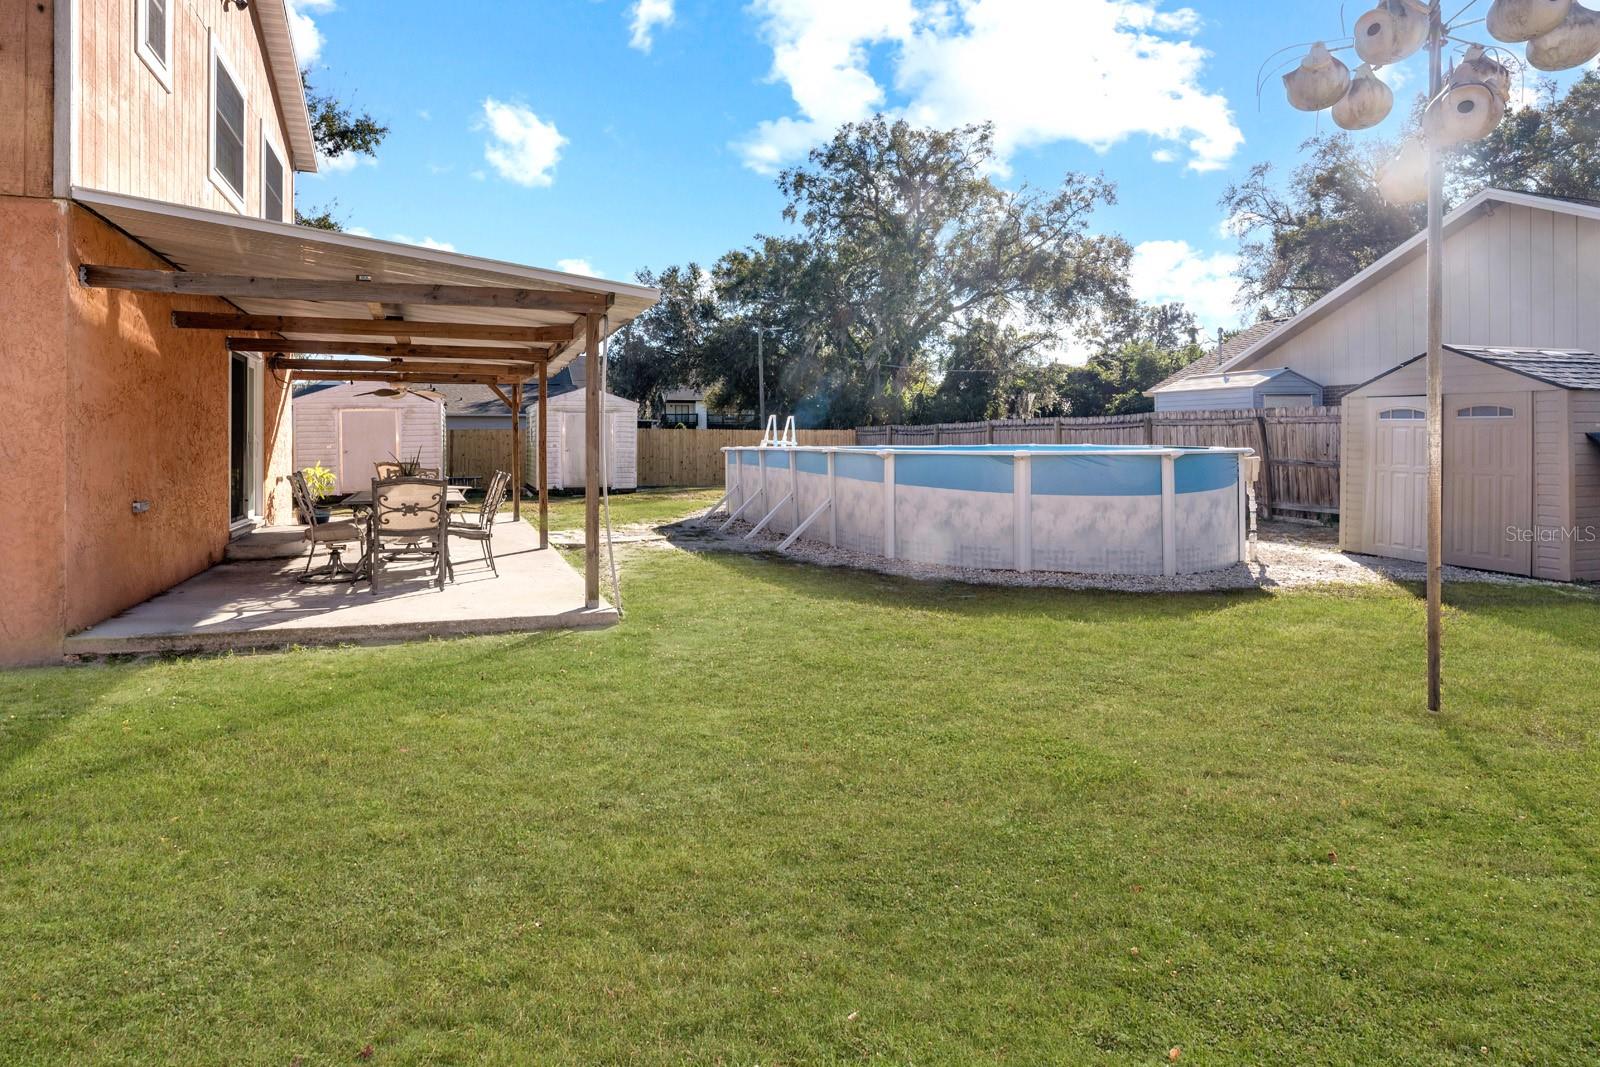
x,y
268,542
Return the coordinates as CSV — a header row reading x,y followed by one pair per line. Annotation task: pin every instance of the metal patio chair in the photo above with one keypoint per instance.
x,y
409,518
480,528
320,531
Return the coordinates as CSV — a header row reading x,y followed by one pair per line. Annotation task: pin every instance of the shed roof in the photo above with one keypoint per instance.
x,y
1221,354
1562,367
1245,379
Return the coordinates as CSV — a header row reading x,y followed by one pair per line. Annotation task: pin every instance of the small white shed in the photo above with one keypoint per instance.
x,y
477,408
1265,387
342,427
1521,467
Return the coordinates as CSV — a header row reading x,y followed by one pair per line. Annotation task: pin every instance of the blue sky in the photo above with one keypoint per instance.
x,y
610,135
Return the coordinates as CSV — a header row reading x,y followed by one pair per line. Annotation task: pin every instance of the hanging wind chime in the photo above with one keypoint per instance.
x,y
1464,105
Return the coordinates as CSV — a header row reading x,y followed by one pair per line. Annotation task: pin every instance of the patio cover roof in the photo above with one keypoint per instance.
x,y
428,310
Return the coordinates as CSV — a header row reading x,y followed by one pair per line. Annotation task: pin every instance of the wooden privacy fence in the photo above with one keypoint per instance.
x,y
1299,447
670,458
478,454
694,457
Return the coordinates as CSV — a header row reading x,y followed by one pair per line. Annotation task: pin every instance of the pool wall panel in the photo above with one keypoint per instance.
x,y
1083,510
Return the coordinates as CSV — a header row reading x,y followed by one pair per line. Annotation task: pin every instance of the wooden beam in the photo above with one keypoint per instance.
x,y
245,287
591,460
414,378
409,366
543,447
501,393
452,331
516,453
373,348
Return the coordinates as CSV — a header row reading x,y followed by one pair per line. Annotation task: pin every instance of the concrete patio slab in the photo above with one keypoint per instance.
x,y
258,604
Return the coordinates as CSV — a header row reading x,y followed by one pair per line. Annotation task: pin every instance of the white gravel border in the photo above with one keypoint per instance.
x,y
1283,559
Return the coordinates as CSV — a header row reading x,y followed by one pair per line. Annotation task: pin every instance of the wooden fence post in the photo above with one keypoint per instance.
x,y
1265,495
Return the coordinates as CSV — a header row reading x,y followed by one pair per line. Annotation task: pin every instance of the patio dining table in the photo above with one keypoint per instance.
x,y
455,496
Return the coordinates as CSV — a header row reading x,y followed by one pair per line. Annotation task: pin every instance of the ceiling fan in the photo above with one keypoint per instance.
x,y
404,388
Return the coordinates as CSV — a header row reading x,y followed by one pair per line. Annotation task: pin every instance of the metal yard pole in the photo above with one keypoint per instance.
x,y
1436,41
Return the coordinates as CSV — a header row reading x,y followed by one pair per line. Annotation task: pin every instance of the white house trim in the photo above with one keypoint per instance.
x,y
1413,247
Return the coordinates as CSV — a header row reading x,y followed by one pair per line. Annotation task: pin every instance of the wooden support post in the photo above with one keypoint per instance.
x,y
591,460
516,452
1264,494
543,447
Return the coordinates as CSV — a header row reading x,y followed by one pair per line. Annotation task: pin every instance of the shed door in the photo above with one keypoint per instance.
x,y
572,449
1488,481
367,436
1398,489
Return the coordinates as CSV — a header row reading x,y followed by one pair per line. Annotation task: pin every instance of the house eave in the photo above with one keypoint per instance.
x,y
1412,247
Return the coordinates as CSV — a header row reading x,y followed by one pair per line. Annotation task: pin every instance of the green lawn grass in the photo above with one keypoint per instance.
x,y
785,815
641,506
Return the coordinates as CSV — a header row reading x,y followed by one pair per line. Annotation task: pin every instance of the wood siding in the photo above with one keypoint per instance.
x,y
137,138
27,96
1519,277
316,425
1584,420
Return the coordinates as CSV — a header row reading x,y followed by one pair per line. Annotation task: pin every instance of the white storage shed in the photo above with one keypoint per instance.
x,y
342,426
1266,387
1521,462
475,407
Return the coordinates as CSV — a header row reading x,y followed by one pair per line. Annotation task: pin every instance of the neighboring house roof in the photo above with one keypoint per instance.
x,y
481,401
285,68
1407,251
1250,378
1222,353
1565,368
683,395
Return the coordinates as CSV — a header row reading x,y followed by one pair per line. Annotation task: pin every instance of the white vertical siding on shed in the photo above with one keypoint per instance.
x,y
316,424
1584,414
621,414
1521,277
1552,486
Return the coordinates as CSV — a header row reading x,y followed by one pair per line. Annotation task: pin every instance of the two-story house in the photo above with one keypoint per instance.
x,y
156,300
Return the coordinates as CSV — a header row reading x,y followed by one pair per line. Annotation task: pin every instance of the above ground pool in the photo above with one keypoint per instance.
x,y
1088,509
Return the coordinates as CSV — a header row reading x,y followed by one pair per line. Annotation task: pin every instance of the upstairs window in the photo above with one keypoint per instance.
x,y
271,182
227,130
153,25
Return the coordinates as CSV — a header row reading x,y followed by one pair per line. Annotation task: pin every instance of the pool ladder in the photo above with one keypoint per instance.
x,y
771,438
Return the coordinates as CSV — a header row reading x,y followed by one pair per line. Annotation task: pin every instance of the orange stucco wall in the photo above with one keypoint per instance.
x,y
106,403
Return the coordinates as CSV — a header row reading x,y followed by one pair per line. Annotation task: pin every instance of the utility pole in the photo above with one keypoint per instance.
x,y
762,333
1436,41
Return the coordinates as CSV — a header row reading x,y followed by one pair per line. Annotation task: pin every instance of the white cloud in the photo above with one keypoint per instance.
x,y
303,31
360,231
522,147
1131,69
645,16
425,115
1167,271
426,242
344,163
577,266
